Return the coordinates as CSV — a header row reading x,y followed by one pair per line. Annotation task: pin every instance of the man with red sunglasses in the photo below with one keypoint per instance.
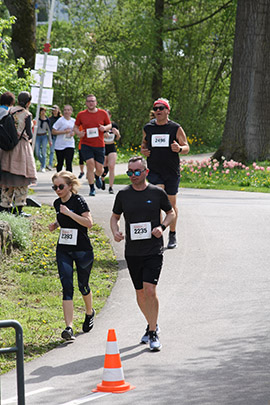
x,y
163,141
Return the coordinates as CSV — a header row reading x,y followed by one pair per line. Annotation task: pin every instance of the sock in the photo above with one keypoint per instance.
x,y
172,232
92,187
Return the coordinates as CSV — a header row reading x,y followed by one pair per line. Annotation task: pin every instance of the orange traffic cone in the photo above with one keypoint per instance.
x,y
113,375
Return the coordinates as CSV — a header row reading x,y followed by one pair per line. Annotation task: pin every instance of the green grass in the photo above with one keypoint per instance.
x,y
30,290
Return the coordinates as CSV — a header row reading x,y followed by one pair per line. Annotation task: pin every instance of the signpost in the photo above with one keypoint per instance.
x,y
44,62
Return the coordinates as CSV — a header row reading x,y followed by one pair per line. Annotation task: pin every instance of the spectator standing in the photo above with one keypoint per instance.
x,y
64,144
74,246
56,114
43,133
18,164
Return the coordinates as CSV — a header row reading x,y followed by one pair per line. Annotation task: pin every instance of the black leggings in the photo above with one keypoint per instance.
x,y
65,154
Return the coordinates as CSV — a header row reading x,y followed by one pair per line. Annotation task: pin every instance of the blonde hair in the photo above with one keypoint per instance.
x,y
70,179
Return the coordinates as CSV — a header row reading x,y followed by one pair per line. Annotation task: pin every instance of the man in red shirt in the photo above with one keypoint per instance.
x,y
94,122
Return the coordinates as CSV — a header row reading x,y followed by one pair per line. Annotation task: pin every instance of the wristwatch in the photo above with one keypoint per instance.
x,y
163,227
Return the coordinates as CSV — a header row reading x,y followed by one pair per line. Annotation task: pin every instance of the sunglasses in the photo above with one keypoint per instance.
x,y
61,187
161,108
135,172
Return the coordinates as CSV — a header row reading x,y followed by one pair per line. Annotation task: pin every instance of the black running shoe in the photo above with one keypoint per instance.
x,y
81,175
88,322
145,337
67,334
103,187
172,241
111,190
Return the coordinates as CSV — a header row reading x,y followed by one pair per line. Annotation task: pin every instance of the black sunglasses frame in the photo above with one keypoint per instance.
x,y
161,108
134,171
61,187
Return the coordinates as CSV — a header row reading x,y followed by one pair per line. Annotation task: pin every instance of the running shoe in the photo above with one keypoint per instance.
x,y
145,337
81,175
172,241
98,181
88,322
67,334
154,343
111,190
103,187
92,193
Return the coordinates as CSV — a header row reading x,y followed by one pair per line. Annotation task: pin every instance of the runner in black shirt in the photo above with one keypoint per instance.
x,y
141,204
163,141
73,245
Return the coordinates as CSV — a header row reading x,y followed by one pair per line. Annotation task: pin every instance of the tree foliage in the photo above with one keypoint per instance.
x,y
9,80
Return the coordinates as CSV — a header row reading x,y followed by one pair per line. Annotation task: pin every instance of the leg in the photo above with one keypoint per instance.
x,y
37,148
7,197
65,271
44,142
60,160
52,151
99,168
111,164
173,201
69,153
90,165
148,303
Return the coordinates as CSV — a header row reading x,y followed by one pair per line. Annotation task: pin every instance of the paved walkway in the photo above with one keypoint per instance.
x,y
214,314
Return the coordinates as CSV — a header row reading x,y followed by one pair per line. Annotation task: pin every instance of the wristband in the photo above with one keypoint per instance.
x,y
163,227
180,149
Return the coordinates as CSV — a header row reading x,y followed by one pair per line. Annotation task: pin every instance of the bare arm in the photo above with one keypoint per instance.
x,y
158,231
79,133
114,222
144,149
181,145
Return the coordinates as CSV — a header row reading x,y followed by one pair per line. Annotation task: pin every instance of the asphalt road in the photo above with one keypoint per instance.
x,y
214,314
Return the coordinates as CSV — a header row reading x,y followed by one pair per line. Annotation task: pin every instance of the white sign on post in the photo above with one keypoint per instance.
x,y
48,78
46,97
51,63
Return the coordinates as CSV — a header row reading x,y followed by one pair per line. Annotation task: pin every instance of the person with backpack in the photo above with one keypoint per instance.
x,y
8,132
18,164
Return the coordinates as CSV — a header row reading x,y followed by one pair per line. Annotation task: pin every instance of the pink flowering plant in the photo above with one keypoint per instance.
x,y
225,175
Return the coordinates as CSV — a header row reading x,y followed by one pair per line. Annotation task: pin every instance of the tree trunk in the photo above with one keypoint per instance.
x,y
246,135
23,31
158,50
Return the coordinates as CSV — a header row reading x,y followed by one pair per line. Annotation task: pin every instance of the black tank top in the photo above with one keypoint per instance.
x,y
159,138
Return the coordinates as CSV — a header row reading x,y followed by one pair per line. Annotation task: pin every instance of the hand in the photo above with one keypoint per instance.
x,y
102,128
157,232
64,209
81,134
175,147
106,134
118,236
50,143
146,152
53,226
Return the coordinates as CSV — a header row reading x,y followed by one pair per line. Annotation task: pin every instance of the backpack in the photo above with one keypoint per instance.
x,y
8,133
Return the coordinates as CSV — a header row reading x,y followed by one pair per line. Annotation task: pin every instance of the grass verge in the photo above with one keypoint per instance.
x,y
30,289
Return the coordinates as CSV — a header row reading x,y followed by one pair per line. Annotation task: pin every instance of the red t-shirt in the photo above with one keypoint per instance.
x,y
90,122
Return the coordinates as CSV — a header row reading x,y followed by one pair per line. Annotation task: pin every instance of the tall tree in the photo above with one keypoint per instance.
x,y
23,31
246,135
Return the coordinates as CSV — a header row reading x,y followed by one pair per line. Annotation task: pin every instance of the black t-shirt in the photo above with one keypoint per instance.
x,y
70,230
141,211
159,138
